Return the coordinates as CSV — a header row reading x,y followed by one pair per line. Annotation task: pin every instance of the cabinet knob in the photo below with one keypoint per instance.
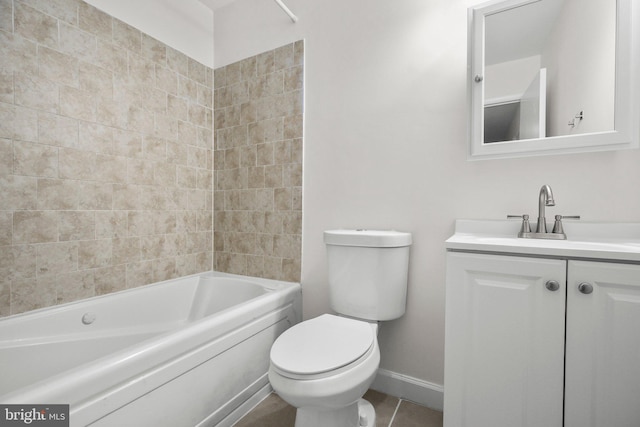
x,y
552,285
585,288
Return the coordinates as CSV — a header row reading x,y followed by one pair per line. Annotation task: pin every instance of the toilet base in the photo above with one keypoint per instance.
x,y
359,414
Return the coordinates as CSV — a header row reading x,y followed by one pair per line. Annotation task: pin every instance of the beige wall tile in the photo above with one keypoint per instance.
x,y
76,164
95,137
31,294
18,123
36,92
75,286
167,80
76,225
126,36
126,250
95,254
94,21
291,269
95,79
197,72
77,103
6,157
110,279
6,15
18,192
293,79
177,61
258,164
154,149
5,294
111,168
65,10
153,50
126,143
164,269
140,223
56,258
58,67
35,160
284,57
126,197
58,194
111,57
196,156
6,228
79,43
35,25
58,130
111,224
19,53
139,273
18,262
95,196
107,163
296,198
6,86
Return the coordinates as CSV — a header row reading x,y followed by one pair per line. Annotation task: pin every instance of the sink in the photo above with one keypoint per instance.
x,y
586,240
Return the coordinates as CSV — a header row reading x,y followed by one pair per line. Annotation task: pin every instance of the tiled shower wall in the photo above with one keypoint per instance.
x,y
106,167
258,164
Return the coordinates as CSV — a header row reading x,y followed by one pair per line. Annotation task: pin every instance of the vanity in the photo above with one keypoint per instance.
x,y
542,332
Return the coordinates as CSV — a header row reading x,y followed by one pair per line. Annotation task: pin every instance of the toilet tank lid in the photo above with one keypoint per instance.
x,y
367,238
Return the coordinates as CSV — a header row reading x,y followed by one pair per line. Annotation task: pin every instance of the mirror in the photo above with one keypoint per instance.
x,y
552,77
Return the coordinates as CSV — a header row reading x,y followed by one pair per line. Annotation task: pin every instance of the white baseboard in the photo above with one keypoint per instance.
x,y
409,388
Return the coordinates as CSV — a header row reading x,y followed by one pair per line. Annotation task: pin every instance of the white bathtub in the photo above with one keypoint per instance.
x,y
192,351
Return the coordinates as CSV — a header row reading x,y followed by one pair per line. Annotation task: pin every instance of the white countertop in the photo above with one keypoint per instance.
x,y
592,240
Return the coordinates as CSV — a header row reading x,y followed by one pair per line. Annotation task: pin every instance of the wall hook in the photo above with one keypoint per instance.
x,y
579,117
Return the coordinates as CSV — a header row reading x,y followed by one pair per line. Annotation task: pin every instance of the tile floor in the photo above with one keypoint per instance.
x,y
390,412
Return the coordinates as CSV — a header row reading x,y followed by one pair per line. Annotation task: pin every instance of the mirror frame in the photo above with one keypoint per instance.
x,y
627,111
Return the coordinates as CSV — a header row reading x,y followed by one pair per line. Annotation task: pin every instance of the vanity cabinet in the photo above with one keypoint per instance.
x,y
541,342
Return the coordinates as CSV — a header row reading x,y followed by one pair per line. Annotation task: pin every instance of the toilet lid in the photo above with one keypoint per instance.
x,y
322,344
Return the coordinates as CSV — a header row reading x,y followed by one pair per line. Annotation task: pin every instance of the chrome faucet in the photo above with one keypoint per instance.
x,y
545,199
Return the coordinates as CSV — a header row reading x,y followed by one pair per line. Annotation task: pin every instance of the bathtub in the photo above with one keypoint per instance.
x,y
192,351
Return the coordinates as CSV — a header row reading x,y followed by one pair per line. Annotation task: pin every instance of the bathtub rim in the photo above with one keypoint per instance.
x,y
270,284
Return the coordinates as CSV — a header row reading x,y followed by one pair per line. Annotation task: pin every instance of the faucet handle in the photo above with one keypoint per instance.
x,y
526,227
557,226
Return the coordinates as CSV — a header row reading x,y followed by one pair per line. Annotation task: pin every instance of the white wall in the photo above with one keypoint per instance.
x,y
185,25
385,147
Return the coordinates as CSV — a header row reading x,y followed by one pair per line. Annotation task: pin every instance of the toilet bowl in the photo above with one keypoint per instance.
x,y
323,367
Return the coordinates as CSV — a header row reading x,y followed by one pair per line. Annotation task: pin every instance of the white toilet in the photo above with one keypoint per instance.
x,y
323,366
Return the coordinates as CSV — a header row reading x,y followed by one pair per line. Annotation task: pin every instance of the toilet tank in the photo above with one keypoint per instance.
x,y
368,272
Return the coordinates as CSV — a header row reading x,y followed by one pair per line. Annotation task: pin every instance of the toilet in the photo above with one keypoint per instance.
x,y
323,366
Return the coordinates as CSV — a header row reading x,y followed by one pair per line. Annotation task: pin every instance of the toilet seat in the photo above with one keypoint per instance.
x,y
321,347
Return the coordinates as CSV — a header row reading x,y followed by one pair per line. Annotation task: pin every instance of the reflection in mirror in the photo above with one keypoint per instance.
x,y
574,40
551,76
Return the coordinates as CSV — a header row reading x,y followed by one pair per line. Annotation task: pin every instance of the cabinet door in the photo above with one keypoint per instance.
x,y
603,346
504,343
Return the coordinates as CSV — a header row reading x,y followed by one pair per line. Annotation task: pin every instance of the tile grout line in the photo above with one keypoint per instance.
x,y
395,412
